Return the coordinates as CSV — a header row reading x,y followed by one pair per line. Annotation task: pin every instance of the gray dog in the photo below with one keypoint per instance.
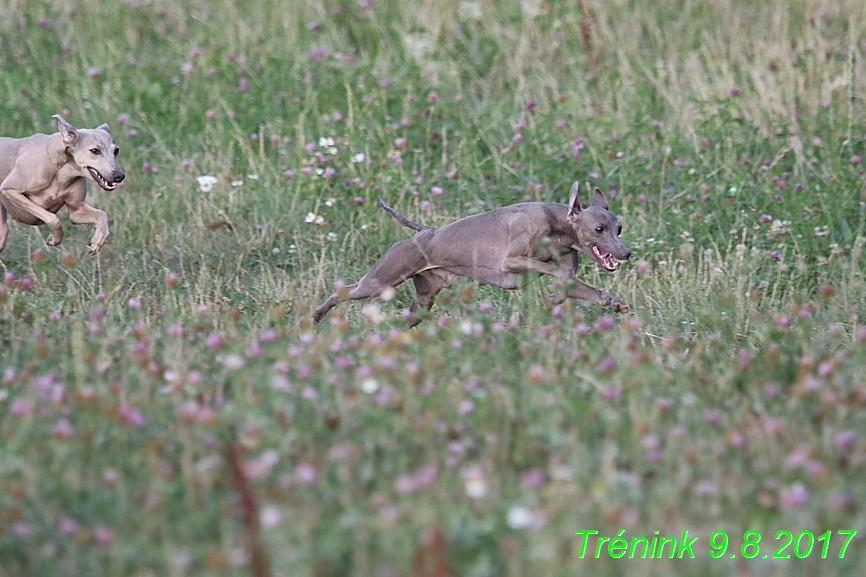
x,y
498,247
42,173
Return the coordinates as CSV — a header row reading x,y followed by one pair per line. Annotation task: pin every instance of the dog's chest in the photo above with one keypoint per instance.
x,y
52,198
49,199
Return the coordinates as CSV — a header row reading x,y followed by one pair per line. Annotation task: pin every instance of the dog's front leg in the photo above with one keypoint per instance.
x,y
588,292
85,214
18,203
521,264
4,228
567,267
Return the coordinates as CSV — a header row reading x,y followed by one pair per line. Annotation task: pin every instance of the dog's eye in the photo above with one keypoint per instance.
x,y
599,229
116,152
94,151
619,230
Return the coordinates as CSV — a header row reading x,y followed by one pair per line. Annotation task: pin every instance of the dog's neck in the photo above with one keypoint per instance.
x,y
68,175
562,229
67,172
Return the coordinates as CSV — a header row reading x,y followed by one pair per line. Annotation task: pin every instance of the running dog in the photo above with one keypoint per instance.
x,y
499,247
42,173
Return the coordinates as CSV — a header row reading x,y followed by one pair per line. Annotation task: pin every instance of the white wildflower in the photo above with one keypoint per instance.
x,y
369,385
311,217
233,361
373,312
270,516
778,227
326,142
238,182
474,482
359,157
388,294
330,201
205,183
519,517
332,236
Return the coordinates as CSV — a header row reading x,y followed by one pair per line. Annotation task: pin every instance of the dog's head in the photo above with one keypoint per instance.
x,y
597,229
93,151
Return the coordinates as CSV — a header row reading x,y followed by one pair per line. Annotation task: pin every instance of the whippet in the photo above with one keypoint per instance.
x,y
498,247
40,174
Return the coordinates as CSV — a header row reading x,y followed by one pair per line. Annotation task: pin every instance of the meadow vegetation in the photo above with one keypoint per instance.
x,y
168,408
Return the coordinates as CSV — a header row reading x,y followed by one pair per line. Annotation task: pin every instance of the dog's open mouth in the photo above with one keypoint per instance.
x,y
100,180
604,258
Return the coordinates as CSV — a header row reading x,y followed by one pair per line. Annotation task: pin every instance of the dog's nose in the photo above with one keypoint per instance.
x,y
627,254
119,176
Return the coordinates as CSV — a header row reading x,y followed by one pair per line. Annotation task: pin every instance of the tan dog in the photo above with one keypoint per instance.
x,y
42,173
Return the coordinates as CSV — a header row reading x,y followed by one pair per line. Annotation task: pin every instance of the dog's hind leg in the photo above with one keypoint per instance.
x,y
333,300
365,288
400,262
427,286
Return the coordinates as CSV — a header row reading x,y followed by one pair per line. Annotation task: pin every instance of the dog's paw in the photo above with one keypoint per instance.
x,y
615,304
96,243
55,237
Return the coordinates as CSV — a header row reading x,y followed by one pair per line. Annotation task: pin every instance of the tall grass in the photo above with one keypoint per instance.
x,y
167,407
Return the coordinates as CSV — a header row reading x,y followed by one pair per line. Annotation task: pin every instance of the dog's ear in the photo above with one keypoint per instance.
x,y
574,202
598,199
102,126
70,135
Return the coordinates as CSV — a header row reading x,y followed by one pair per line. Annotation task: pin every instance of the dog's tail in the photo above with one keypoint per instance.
x,y
402,219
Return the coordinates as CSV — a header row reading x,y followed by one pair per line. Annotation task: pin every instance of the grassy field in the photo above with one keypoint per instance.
x,y
167,408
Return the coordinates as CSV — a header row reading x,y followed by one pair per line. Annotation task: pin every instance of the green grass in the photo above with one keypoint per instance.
x,y
167,408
